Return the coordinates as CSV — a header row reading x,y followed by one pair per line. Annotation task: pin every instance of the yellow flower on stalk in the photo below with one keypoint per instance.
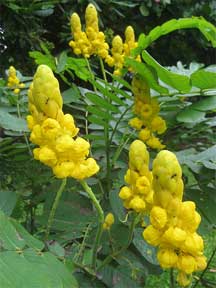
x,y
173,223
54,132
146,109
14,81
138,196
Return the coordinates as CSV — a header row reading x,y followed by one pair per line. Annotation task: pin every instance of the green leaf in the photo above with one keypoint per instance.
x,y
97,111
10,122
30,269
61,62
79,67
7,201
207,104
146,73
99,101
46,59
9,238
106,92
71,95
146,250
56,248
116,204
177,81
205,27
30,241
96,120
204,79
190,115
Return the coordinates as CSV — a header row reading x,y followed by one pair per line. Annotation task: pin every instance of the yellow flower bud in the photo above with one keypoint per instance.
x,y
193,244
108,222
158,217
144,134
174,236
152,235
137,204
183,279
186,263
125,193
138,155
158,125
143,185
136,123
201,263
47,156
167,257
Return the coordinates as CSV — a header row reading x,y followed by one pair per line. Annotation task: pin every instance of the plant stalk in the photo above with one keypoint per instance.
x,y
109,258
100,220
54,207
172,282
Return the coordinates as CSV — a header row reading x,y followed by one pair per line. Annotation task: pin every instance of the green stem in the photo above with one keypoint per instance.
x,y
106,136
102,69
100,220
109,258
118,121
172,283
54,207
207,266
24,134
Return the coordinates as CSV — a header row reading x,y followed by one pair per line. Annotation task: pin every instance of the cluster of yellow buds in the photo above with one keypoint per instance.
x,y
121,50
173,223
108,222
92,41
54,132
14,81
138,195
147,122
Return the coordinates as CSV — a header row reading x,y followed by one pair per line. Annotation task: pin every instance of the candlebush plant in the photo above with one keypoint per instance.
x,y
124,185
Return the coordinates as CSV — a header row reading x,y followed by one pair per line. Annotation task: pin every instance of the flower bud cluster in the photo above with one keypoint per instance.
x,y
121,50
54,132
14,81
147,122
108,222
173,223
138,194
92,41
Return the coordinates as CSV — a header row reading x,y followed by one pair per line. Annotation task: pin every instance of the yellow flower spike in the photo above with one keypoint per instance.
x,y
167,257
117,54
91,18
45,92
14,81
75,23
167,172
53,131
158,217
138,155
108,221
186,263
152,235
183,279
